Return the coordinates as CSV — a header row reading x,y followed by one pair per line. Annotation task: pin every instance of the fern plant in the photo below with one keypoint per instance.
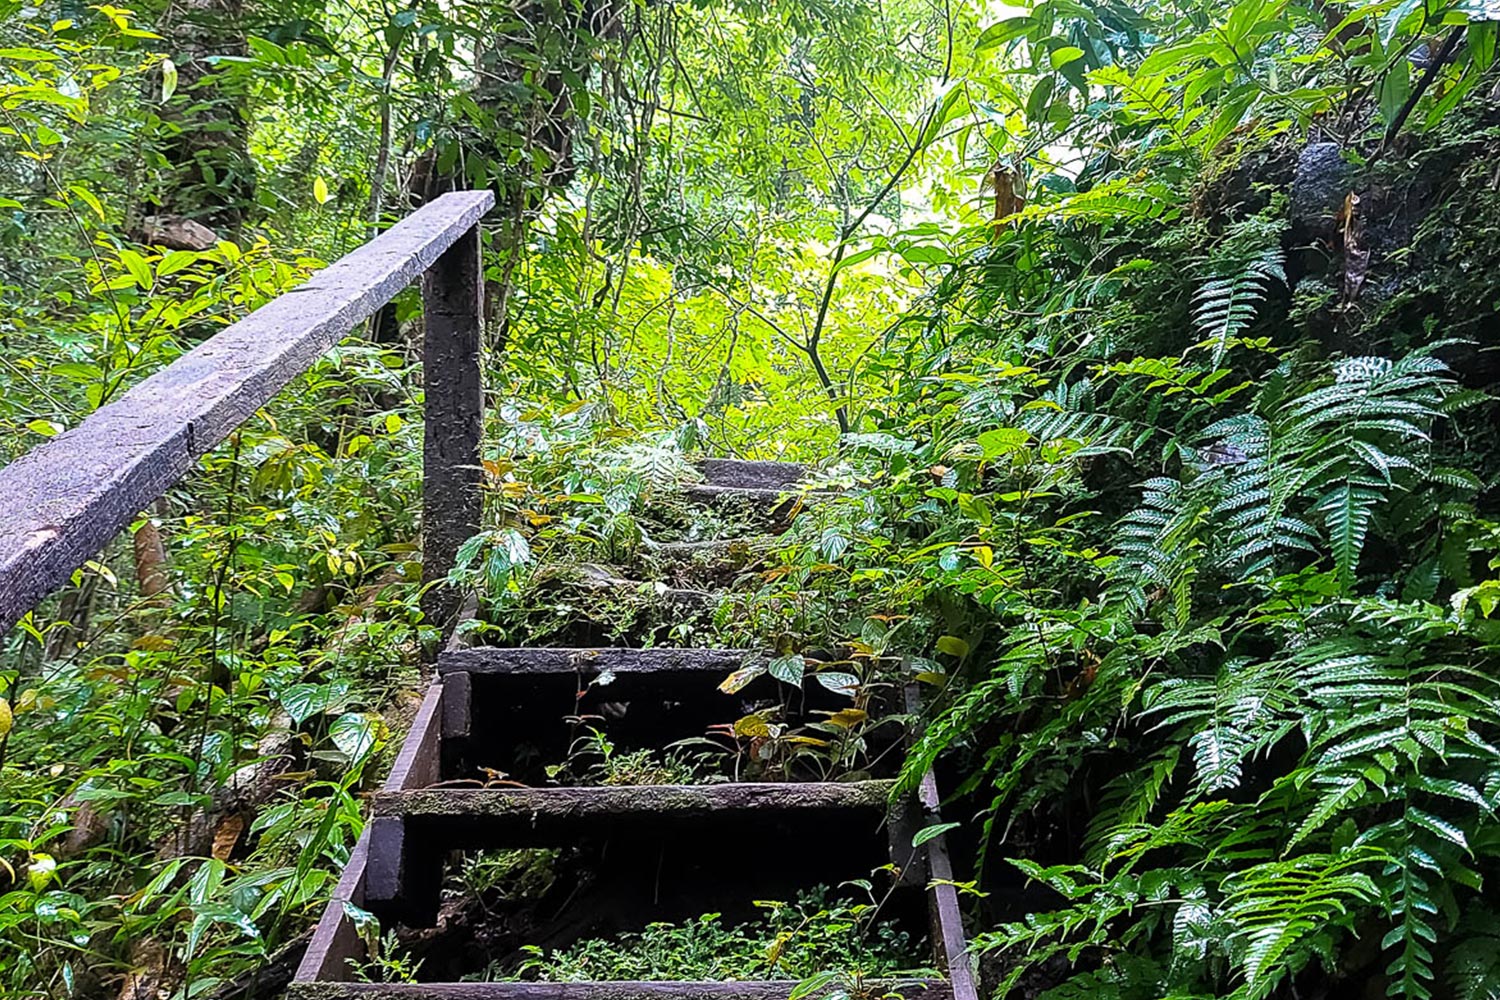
x,y
1243,271
1304,471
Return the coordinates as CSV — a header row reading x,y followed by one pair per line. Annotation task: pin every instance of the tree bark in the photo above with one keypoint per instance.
x,y
210,175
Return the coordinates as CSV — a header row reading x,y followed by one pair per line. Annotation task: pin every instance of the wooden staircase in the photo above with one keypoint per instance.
x,y
67,498
666,839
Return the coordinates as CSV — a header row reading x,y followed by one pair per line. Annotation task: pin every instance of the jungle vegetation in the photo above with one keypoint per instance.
x,y
1150,344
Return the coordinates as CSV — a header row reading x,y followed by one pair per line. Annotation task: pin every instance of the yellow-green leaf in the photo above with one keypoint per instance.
x,y
46,428
320,191
87,197
953,646
140,271
168,79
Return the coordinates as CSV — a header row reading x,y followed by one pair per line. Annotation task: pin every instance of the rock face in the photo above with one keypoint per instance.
x,y
1318,188
177,233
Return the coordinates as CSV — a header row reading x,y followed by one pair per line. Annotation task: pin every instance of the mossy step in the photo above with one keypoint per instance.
x,y
779,499
589,661
910,989
714,547
733,472
517,817
600,578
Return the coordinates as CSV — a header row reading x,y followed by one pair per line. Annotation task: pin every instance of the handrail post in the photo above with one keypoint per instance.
x,y
452,501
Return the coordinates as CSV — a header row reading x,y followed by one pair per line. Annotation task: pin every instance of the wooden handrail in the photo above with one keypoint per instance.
x,y
63,501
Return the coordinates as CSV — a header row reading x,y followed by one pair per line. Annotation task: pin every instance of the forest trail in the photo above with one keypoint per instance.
x,y
466,780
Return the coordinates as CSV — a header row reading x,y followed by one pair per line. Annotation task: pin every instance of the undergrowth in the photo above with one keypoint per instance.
x,y
817,932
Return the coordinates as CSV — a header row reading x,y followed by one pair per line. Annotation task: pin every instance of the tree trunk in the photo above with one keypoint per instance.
x,y
210,176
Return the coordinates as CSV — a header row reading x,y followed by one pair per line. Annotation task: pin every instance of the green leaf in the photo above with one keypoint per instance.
x,y
355,734
136,266
303,701
168,79
87,197
175,261
859,257
737,681
812,984
1003,441
838,682
25,53
1394,90
1064,55
788,669
925,834
1481,38
953,646
46,428
1004,31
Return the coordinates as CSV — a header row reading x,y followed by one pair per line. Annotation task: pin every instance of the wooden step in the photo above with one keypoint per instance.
x,y
525,817
396,869
769,487
767,989
746,546
733,472
595,577
503,660
413,829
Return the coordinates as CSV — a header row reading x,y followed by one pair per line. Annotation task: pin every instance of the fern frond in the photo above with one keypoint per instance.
x,y
1225,306
1272,906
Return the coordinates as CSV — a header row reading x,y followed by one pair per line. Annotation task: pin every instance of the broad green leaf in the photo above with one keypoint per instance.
x,y
1064,55
838,681
355,734
1003,441
740,678
25,53
788,669
927,833
136,266
953,646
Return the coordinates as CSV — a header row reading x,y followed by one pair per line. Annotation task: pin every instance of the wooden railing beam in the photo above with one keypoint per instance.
x,y
66,499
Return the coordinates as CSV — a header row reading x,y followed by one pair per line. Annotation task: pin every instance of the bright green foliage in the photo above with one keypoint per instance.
x,y
1173,499
797,940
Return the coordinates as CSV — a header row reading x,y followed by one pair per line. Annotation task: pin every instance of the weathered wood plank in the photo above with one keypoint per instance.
x,y
910,989
586,803
519,817
404,878
453,389
63,501
417,764
947,916
458,723
334,939
458,705
385,868
501,660
739,473
776,499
